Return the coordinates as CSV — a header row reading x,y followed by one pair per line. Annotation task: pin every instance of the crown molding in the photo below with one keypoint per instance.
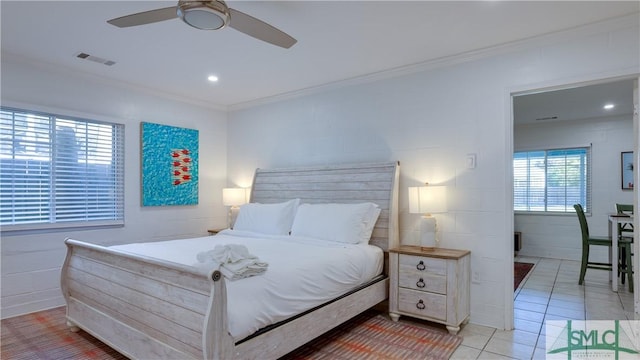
x,y
618,23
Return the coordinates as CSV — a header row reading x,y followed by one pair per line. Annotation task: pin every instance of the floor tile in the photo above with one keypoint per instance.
x,y
541,343
533,299
476,341
576,313
486,355
478,329
465,353
535,292
528,326
523,305
571,305
528,315
517,336
539,354
548,317
568,295
509,348
606,314
546,299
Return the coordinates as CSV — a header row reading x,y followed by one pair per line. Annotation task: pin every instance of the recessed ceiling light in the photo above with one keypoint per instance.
x,y
609,106
212,78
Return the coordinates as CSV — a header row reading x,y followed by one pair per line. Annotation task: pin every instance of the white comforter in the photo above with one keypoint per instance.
x,y
303,273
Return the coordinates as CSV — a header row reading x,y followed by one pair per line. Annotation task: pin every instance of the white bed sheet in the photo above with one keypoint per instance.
x,y
303,273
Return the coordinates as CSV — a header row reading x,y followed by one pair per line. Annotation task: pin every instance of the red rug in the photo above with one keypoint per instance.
x,y
520,271
44,335
373,336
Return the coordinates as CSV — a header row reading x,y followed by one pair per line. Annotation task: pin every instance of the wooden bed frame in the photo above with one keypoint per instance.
x,y
149,308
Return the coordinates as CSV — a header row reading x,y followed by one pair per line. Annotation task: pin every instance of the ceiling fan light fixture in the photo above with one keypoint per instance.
x,y
204,15
209,15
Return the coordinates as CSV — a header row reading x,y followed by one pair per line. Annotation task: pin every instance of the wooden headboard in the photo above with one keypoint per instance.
x,y
377,183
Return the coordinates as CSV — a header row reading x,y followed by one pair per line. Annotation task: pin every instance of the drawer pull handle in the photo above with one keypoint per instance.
x,y
420,283
421,266
420,305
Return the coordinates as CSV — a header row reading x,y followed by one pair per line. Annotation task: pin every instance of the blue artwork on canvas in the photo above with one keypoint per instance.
x,y
169,165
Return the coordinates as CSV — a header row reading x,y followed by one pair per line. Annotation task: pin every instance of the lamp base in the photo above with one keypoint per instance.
x,y
428,232
232,216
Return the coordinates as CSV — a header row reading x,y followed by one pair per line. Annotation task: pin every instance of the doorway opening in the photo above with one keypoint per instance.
x,y
545,123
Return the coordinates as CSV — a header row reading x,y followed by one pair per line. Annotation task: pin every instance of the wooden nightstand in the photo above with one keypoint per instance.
x,y
430,284
214,231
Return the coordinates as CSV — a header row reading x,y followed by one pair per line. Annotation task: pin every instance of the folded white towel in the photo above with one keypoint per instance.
x,y
235,261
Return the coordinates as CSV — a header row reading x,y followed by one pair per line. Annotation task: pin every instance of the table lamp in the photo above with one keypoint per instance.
x,y
233,197
427,200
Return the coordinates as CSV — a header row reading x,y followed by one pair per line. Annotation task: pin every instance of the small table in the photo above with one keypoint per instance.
x,y
614,220
430,284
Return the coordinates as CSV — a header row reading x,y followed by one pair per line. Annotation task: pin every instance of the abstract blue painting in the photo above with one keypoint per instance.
x,y
169,165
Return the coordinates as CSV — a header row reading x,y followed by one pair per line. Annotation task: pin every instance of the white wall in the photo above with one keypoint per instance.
x,y
430,120
558,236
31,263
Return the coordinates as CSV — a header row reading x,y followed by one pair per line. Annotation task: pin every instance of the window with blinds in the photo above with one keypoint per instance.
x,y
59,171
552,180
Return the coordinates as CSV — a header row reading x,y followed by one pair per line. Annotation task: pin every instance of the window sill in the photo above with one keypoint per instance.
x,y
546,213
27,229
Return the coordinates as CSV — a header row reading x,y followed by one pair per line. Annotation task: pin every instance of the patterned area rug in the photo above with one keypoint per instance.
x,y
44,335
373,336
520,271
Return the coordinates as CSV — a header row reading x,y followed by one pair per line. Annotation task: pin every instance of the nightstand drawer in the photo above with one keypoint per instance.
x,y
423,282
422,304
422,265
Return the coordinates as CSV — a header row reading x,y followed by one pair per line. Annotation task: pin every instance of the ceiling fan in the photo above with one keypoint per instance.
x,y
209,15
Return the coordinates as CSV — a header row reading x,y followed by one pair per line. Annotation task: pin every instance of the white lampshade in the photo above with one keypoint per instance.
x,y
427,199
234,196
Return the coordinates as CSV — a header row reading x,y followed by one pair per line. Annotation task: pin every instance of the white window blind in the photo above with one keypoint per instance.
x,y
59,171
552,180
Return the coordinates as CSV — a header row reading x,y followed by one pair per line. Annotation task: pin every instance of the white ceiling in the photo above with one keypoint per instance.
x,y
337,40
580,103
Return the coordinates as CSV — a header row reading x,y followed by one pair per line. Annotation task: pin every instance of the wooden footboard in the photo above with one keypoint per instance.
x,y
149,309
283,339
143,307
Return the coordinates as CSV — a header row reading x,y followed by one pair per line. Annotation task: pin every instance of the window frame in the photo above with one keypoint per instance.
x,y
116,147
586,180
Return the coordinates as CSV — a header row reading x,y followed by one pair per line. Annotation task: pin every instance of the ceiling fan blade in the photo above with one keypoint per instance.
x,y
145,17
259,29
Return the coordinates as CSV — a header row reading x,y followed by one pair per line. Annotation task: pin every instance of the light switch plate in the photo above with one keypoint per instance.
x,y
471,161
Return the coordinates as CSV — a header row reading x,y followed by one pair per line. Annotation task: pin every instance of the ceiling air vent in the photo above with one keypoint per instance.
x,y
547,118
95,59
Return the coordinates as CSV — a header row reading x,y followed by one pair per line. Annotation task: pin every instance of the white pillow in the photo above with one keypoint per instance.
x,y
347,223
370,223
269,219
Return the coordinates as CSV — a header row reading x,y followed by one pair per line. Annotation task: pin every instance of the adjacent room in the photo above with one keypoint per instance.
x,y
258,179
569,148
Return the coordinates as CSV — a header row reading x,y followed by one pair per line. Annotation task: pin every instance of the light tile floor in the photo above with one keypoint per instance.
x,y
549,292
